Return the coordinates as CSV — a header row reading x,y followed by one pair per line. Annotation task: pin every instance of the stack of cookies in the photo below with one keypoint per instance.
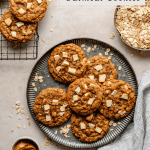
x,y
18,24
94,95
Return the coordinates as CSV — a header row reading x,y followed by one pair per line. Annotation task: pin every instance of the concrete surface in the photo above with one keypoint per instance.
x,y
67,23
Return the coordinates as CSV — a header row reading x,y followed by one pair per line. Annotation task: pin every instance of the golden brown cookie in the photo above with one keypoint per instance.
x,y
67,63
29,10
91,128
84,96
118,99
24,146
51,107
100,69
14,30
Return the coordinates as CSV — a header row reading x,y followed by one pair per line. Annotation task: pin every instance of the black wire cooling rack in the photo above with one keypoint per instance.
x,y
20,51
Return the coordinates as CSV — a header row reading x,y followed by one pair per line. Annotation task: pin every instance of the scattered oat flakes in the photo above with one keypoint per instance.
x,y
112,35
51,15
29,123
19,118
27,116
114,124
110,57
13,106
43,39
111,122
35,89
18,125
33,84
18,103
48,76
51,30
24,127
65,130
56,132
10,116
17,107
22,107
93,49
119,122
95,46
83,45
22,111
111,129
100,54
12,130
41,80
18,111
132,55
119,68
36,77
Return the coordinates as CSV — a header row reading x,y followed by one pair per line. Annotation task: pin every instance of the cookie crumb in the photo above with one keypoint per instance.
x,y
56,132
112,35
51,30
109,57
35,89
17,107
83,45
48,76
19,118
24,127
119,122
33,84
111,122
10,116
43,39
111,129
22,111
18,103
132,55
119,68
100,54
27,116
18,125
13,106
114,124
12,130
22,107
52,16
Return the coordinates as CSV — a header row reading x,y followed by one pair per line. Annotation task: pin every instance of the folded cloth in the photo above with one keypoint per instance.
x,y
137,135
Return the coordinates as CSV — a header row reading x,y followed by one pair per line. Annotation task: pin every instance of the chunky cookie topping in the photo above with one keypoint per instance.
x,y
118,99
84,96
67,63
51,107
89,129
100,69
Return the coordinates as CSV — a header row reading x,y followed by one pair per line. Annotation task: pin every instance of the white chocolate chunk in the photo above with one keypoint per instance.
x,y
102,77
65,62
108,82
19,24
55,102
56,57
91,77
21,11
90,101
85,86
29,5
64,54
91,116
58,68
72,70
48,118
39,1
86,94
77,90
28,32
99,130
13,33
82,125
92,126
46,107
75,57
61,113
124,96
8,21
121,112
75,98
63,107
114,92
108,103
98,67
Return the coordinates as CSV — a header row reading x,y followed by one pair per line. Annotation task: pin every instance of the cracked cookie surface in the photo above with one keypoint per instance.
x,y
84,96
14,30
118,99
67,63
29,10
90,128
51,107
100,69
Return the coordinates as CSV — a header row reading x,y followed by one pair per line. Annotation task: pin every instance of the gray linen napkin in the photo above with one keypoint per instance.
x,y
137,135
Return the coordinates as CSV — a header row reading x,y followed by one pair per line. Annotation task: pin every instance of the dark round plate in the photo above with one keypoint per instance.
x,y
41,68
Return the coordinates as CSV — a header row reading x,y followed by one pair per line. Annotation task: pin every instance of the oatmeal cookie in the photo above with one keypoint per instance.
x,y
91,128
14,30
118,99
100,69
51,107
84,96
29,10
67,63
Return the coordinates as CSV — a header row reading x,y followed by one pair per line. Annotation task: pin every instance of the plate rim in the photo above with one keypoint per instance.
x,y
86,144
